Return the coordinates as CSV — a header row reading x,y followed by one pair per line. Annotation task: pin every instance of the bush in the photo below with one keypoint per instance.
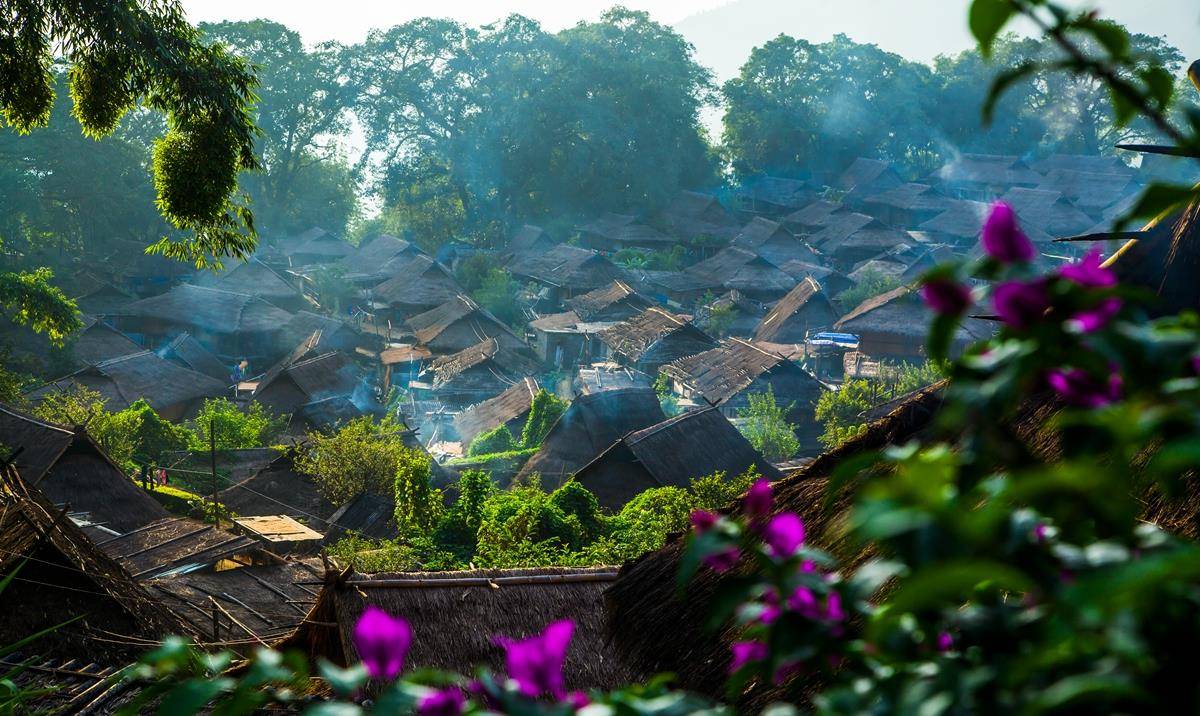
x,y
417,503
870,285
545,410
499,439
765,425
361,456
458,530
235,428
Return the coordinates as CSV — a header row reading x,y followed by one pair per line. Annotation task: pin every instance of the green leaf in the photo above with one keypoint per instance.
x,y
192,695
947,584
987,18
1110,35
1160,83
1001,84
1157,201
343,681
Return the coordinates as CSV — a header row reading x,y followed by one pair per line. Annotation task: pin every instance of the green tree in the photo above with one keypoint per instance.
x,y
418,505
765,425
498,294
498,439
523,526
840,411
870,285
81,406
153,436
458,530
234,428
361,456
544,411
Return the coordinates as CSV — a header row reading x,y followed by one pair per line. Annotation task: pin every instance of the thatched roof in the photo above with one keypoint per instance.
x,y
746,271
867,176
773,242
806,307
420,281
901,314
567,267
779,192
256,604
988,169
253,278
210,310
691,214
507,365
623,230
279,489
323,333
65,576
175,545
1089,163
648,611
851,235
613,302
70,469
910,197
324,376
459,324
635,338
370,262
1165,259
123,381
186,351
327,414
671,454
723,372
97,342
315,243
1091,192
815,215
508,408
98,299
1049,211
456,617
963,220
368,515
530,238
590,424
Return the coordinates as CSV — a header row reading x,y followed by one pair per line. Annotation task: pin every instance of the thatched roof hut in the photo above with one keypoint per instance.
x,y
456,616
368,515
774,195
1092,192
774,243
185,351
906,206
569,270
171,390
895,324
459,324
1164,259
590,424
671,454
746,271
691,214
70,469
97,342
805,310
420,284
510,408
866,177
1049,211
478,372
372,262
652,338
96,297
279,489
984,176
744,314
255,278
65,575
325,376
727,375
614,232
530,239
851,238
815,216
614,302
323,334
314,246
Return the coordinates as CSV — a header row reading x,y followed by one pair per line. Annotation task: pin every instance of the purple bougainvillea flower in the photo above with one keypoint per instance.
x,y
444,702
1080,388
783,535
770,607
536,663
578,700
786,671
945,642
703,520
1089,271
804,602
1020,304
382,642
745,652
808,566
1040,532
946,297
758,500
833,608
1003,239
1195,364
1097,317
722,561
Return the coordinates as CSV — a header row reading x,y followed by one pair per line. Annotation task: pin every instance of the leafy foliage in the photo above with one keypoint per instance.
x,y
765,425
233,427
497,293
361,456
498,439
544,411
870,285
417,503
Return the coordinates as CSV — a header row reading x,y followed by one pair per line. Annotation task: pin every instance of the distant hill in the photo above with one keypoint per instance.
x,y
917,29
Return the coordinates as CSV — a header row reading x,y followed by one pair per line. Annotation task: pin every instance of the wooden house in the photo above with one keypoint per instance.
x,y
742,314
530,239
804,311
173,391
774,243
852,238
652,338
566,270
328,375
736,268
255,278
464,612
983,177
97,342
591,423
419,284
906,206
563,340
510,408
375,261
727,375
98,297
611,233
72,471
672,453
864,178
232,325
459,324
1048,211
674,288
613,302
895,325
814,216
324,334
314,246
1092,193
692,215
774,196
961,225
478,372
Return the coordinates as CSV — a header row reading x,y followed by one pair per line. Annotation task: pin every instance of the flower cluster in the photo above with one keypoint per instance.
x,y
794,593
1079,297
534,666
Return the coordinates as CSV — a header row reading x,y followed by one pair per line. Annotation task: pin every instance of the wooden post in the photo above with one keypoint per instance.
x,y
216,617
212,454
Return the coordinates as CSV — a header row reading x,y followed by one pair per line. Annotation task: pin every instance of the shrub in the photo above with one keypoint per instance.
x,y
234,428
766,426
545,410
499,439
